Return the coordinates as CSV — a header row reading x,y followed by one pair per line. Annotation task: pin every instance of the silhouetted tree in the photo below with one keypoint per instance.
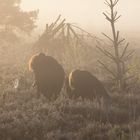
x,y
13,19
68,43
119,54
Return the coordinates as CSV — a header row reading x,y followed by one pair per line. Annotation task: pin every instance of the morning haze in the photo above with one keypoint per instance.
x,y
69,70
86,13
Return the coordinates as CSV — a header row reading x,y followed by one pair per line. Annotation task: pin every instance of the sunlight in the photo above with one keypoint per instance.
x,y
86,13
69,70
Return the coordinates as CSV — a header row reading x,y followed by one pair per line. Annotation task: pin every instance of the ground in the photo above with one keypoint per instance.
x,y
24,116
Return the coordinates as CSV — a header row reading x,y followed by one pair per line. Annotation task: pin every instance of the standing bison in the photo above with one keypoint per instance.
x,y
84,84
49,75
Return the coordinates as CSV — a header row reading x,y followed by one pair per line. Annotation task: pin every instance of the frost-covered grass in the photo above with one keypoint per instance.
x,y
23,116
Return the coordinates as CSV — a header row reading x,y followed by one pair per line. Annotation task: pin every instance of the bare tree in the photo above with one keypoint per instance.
x,y
119,53
68,43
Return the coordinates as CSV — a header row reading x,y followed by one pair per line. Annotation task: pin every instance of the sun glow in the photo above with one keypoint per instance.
x,y
86,13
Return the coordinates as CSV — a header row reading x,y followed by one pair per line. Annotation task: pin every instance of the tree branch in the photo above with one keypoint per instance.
x,y
129,55
108,54
107,37
107,3
117,36
122,40
107,69
117,18
115,2
107,17
124,51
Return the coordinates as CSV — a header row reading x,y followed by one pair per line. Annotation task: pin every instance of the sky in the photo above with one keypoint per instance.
x,y
86,13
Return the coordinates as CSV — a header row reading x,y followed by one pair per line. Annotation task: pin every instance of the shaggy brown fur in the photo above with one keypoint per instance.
x,y
84,84
49,74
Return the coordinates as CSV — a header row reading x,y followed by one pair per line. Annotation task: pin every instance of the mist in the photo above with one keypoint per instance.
x,y
86,13
69,70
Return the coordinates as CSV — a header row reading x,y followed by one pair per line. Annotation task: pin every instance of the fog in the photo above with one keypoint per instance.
x,y
86,13
60,82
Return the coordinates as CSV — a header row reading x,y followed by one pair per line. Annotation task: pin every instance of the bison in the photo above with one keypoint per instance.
x,y
49,75
84,84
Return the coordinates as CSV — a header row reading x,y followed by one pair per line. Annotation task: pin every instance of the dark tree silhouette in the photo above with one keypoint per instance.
x,y
13,19
119,54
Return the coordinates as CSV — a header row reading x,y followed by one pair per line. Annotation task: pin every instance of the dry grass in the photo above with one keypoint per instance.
x,y
23,116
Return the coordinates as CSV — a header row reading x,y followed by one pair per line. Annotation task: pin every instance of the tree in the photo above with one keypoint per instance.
x,y
13,19
120,54
70,44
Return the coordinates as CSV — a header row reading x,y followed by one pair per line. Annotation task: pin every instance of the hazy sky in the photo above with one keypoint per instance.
x,y
86,13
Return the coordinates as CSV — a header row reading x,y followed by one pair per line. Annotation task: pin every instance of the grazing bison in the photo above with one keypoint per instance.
x,y
84,84
49,75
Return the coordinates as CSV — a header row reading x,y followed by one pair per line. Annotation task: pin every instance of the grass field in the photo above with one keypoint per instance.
x,y
23,116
